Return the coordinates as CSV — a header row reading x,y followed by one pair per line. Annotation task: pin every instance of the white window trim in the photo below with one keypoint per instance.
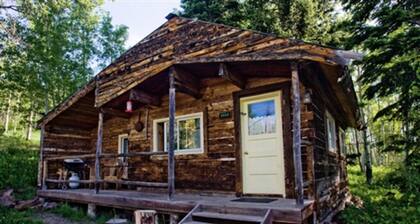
x,y
177,119
120,140
328,116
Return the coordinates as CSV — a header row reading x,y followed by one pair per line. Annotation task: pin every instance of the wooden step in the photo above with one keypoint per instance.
x,y
228,217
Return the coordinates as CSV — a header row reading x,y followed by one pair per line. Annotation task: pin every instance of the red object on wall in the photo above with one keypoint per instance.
x,y
129,107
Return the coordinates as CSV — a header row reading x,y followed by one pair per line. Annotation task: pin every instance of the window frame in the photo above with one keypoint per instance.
x,y
177,119
329,117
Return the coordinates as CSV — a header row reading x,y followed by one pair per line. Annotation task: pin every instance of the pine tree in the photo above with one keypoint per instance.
x,y
389,32
309,20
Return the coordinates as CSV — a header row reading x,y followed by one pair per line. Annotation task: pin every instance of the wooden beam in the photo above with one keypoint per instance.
x,y
41,158
116,113
143,97
186,82
297,154
171,149
98,152
234,78
44,174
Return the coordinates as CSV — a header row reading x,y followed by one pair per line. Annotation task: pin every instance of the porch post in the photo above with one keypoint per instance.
x,y
171,148
98,152
297,157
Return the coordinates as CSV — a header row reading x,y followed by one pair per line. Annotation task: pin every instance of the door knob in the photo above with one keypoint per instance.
x,y
246,153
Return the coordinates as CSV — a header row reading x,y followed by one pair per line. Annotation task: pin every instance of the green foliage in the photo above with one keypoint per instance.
x,y
49,49
393,197
389,32
18,166
309,20
11,216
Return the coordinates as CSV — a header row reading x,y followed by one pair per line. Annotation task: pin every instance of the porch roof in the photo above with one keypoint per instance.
x,y
181,40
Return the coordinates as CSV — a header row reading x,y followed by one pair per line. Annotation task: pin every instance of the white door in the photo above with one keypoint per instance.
x,y
262,144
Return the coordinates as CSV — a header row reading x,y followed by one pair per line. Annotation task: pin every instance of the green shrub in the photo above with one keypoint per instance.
x,y
392,198
18,166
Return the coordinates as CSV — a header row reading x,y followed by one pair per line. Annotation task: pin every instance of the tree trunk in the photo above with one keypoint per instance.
x,y
368,164
7,120
29,128
359,159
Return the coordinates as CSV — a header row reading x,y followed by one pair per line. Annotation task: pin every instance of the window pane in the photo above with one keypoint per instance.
x,y
261,118
160,136
189,134
332,145
125,145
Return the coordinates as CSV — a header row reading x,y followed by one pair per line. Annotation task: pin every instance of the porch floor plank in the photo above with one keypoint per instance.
x,y
284,210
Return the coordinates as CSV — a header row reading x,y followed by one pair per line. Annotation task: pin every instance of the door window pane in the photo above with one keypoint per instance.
x,y
261,118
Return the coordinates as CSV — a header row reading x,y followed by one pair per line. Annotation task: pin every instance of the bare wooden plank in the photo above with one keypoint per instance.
x,y
234,78
171,149
297,155
98,152
143,97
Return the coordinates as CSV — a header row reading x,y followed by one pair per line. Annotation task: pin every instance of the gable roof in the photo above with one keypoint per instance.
x,y
182,40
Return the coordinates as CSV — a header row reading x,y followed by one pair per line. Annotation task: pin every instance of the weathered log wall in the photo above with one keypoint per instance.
x,y
213,170
329,179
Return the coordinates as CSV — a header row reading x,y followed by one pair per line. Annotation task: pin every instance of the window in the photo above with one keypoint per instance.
x,y
123,146
188,134
331,133
341,140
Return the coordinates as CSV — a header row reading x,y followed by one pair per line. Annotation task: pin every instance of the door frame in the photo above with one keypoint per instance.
x,y
284,87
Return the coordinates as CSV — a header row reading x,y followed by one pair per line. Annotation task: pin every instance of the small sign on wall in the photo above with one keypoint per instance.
x,y
225,114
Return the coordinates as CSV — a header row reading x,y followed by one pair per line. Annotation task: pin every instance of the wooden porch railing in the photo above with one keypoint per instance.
x,y
46,180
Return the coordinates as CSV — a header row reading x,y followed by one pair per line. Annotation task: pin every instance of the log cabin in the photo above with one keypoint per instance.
x,y
207,123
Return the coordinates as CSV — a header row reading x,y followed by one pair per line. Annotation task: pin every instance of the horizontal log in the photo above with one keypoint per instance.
x,y
126,182
105,155
70,181
136,183
116,113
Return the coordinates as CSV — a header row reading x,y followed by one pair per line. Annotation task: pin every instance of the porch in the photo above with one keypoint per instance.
x,y
149,181
185,205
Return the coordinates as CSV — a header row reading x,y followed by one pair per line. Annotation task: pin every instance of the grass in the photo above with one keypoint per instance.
x,y
392,198
77,214
11,216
